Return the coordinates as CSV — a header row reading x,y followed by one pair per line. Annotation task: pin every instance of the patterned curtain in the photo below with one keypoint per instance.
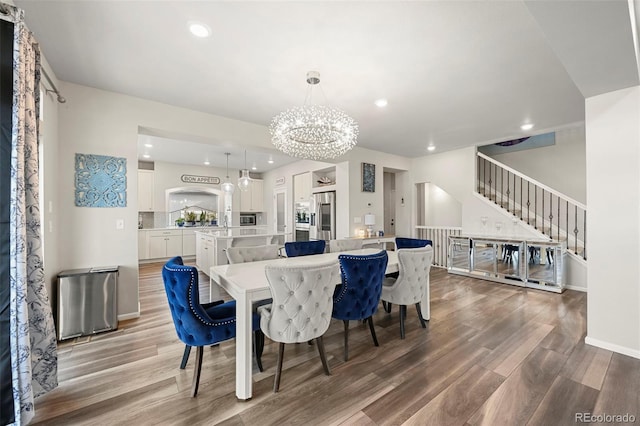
x,y
34,361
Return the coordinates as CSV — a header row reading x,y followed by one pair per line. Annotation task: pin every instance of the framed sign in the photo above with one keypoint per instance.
x,y
200,179
368,177
280,180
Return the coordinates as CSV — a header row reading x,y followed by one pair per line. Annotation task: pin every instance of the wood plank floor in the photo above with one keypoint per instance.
x,y
492,354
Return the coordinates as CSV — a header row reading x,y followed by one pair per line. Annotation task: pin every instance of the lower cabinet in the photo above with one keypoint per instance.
x,y
205,252
166,243
162,244
188,242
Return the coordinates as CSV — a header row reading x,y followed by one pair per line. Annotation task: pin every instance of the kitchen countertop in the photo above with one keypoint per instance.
x,y
242,232
200,228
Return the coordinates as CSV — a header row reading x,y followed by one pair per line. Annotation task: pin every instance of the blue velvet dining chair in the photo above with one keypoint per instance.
x,y
198,324
304,248
402,243
358,296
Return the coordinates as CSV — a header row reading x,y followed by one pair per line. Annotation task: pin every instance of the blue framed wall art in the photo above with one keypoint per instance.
x,y
101,181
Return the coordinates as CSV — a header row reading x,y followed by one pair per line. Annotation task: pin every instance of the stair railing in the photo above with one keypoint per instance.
x,y
547,210
439,236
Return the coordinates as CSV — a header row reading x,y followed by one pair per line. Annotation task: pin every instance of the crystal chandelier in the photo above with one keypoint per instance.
x,y
314,132
245,179
227,186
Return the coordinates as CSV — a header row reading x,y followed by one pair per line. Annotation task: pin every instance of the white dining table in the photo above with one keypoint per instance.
x,y
247,282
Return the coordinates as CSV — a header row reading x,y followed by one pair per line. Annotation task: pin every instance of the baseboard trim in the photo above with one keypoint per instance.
x,y
129,316
634,353
576,288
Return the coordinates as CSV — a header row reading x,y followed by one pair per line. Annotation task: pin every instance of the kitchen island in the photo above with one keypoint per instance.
x,y
211,244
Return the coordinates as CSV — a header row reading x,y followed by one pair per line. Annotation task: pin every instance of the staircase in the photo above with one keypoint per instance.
x,y
551,213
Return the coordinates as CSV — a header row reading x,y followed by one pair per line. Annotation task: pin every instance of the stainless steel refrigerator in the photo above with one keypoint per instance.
x,y
322,221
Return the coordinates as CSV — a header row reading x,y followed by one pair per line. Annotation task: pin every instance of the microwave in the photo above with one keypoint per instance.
x,y
247,219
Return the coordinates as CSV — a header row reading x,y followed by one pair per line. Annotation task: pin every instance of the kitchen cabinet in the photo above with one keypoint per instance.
x,y
164,244
145,190
205,252
302,187
251,200
188,242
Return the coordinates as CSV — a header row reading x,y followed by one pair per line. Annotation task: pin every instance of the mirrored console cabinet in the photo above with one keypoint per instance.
x,y
526,263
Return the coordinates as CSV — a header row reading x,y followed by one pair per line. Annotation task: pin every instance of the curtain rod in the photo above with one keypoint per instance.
x,y
55,90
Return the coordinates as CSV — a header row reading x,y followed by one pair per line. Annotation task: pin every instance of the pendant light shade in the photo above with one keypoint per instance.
x,y
227,186
245,179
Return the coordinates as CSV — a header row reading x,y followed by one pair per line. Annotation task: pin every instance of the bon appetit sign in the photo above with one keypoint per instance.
x,y
200,179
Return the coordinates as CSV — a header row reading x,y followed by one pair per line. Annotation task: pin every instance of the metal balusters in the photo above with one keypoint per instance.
x,y
575,231
489,175
543,212
528,205
501,186
558,217
550,215
567,225
521,206
514,195
535,207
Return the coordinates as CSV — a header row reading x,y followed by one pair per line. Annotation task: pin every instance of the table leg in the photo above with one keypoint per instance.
x,y
214,290
243,347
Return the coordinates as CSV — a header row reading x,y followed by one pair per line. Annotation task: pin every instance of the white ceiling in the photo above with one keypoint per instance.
x,y
455,73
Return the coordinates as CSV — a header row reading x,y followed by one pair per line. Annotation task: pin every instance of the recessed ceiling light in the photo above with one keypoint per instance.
x,y
254,168
381,103
527,126
148,145
199,29
206,163
146,156
431,148
270,161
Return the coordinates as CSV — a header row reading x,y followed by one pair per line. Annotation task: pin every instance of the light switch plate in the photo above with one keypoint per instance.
x,y
120,224
357,219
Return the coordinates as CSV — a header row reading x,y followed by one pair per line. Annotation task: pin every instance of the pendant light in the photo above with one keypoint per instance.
x,y
227,186
245,179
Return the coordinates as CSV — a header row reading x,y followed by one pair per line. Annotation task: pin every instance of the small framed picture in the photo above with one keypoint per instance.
x,y
368,177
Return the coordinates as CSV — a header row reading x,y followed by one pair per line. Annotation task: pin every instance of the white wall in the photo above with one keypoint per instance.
x,y
561,166
105,123
441,209
361,203
613,189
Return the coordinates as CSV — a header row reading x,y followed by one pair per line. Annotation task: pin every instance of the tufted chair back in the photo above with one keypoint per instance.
x,y
302,302
304,248
252,254
344,245
411,243
193,325
358,296
414,266
412,283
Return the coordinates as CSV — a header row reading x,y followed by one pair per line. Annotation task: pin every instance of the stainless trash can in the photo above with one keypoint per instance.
x,y
87,301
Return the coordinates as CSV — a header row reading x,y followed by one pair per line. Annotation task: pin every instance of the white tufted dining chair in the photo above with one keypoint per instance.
x,y
344,245
301,308
412,282
252,254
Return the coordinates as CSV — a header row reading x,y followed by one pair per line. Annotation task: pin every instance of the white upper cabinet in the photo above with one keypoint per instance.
x,y
302,187
145,190
252,199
